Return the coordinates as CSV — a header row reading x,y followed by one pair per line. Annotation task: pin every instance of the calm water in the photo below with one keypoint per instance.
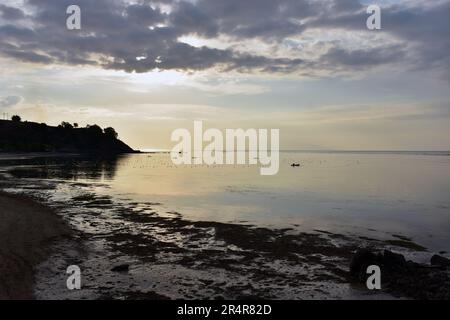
x,y
118,205
360,193
372,194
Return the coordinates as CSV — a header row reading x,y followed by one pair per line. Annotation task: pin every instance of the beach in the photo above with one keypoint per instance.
x,y
140,228
27,231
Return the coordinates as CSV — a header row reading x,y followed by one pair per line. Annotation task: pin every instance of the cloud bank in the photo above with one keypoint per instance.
x,y
286,36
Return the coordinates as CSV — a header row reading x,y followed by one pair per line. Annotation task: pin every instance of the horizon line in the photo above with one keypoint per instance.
x,y
157,150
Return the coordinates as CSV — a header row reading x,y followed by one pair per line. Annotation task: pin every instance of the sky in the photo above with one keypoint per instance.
x,y
310,68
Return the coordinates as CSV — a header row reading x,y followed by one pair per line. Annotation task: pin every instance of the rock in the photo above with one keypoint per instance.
x,y
393,260
360,261
439,261
121,268
405,278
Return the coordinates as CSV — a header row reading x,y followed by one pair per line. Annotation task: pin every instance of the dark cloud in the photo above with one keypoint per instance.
x,y
10,101
11,13
115,33
144,15
28,56
189,18
427,30
16,34
364,58
424,30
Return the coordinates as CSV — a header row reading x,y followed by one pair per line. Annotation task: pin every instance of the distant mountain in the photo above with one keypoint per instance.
x,y
16,136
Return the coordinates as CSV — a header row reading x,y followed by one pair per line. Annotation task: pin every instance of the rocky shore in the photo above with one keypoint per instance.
x,y
405,278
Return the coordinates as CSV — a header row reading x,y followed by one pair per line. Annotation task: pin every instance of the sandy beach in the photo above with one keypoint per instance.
x,y
27,230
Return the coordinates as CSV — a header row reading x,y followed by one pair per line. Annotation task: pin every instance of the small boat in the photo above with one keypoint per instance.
x,y
295,165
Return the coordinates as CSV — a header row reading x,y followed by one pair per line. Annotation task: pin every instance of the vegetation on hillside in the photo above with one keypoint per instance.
x,y
16,135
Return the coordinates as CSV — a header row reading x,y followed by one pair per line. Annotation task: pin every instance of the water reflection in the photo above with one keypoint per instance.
x,y
78,168
392,192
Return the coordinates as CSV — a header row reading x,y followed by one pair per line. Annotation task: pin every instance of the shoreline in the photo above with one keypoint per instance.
x,y
27,231
21,155
138,250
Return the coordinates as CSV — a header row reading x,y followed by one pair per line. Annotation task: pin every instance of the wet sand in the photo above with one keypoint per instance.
x,y
311,265
27,230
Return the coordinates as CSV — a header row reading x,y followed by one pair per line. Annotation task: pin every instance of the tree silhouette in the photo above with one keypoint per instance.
x,y
16,118
111,133
66,125
39,137
94,129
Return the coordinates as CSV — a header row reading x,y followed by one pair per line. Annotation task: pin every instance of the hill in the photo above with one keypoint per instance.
x,y
16,136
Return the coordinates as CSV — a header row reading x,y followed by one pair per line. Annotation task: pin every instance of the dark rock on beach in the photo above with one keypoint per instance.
x,y
360,261
393,261
404,278
121,268
440,261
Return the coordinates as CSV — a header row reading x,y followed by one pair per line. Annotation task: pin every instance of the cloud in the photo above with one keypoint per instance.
x,y
364,58
10,101
144,35
11,13
421,27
